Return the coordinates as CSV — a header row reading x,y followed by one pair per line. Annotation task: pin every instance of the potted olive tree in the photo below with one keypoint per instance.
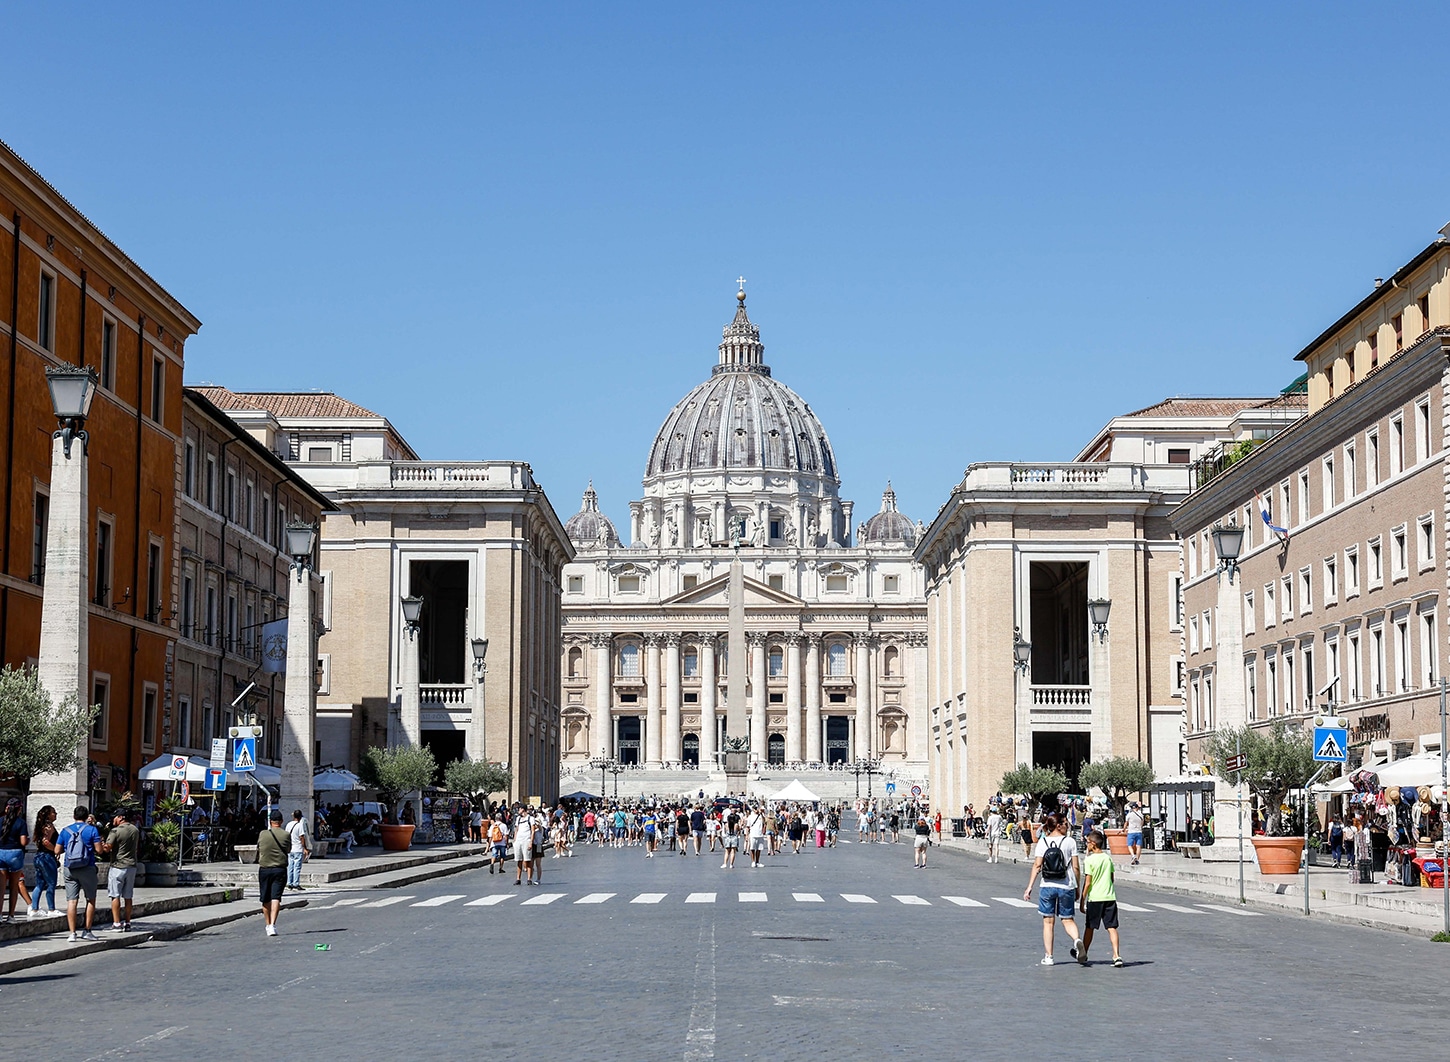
x,y
395,772
1039,784
1279,759
1117,778
475,779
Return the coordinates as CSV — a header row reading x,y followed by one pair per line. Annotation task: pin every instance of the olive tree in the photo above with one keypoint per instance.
x,y
38,736
1279,759
476,779
1117,777
395,771
1041,784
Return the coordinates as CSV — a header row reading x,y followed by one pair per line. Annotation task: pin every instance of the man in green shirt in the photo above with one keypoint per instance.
x,y
1099,897
273,844
124,842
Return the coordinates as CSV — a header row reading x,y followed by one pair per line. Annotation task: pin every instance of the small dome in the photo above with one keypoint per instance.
x,y
590,527
888,527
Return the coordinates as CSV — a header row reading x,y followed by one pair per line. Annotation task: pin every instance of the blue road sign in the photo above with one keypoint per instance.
x,y
891,787
1330,744
244,754
216,779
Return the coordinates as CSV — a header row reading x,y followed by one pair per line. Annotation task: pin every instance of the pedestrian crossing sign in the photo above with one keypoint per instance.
x,y
1329,744
244,754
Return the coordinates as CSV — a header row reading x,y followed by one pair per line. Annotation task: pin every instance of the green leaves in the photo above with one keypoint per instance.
x,y
1280,759
403,769
36,736
1117,777
476,779
1039,783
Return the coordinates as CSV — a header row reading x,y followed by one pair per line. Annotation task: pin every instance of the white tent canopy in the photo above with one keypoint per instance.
x,y
796,791
1423,769
1336,786
159,770
333,779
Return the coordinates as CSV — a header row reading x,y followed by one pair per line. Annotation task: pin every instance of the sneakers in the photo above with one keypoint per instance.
x,y
1082,956
127,927
1118,961
1073,950
271,931
1046,961
118,927
88,935
71,939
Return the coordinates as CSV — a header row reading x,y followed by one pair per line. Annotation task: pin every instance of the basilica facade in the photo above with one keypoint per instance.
x,y
835,616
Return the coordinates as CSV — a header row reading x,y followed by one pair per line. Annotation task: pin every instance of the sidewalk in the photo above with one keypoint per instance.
x,y
1331,895
168,913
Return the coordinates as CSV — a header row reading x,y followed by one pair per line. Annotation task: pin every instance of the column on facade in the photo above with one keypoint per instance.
x,y
793,698
603,694
709,689
865,702
670,737
759,699
813,699
652,699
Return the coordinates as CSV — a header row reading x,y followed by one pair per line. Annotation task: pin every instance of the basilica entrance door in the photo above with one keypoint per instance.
x,y
838,738
691,749
626,738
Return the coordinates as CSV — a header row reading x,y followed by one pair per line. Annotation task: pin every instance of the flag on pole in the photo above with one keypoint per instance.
x,y
274,646
1282,532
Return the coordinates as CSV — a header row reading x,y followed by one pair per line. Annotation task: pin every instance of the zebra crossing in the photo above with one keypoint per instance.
x,y
596,899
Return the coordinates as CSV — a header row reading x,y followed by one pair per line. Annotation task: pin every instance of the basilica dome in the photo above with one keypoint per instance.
x,y
888,527
742,419
590,527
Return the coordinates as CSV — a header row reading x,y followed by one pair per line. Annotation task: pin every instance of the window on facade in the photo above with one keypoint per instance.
x,y
1423,447
1178,456
188,469
1331,581
1377,660
264,518
1351,571
629,660
576,584
148,717
158,389
1350,488
188,606
1175,600
1374,350
837,584
691,663
1251,688
890,584
1423,302
1304,509
1426,540
108,355
1284,514
1208,702
230,644
1286,598
45,326
100,695
1193,635
1356,685
183,722
1429,650
1306,590
1271,688
153,582
1397,322
1249,612
1207,630
1306,654
1328,483
1402,653
776,582
211,618
1397,445
1331,646
249,628
210,485
1270,608
1179,672
775,530
836,660
1193,557
39,531
1400,551
1376,563
248,495
102,586
1288,701
689,582
776,662
319,455
1372,457
629,584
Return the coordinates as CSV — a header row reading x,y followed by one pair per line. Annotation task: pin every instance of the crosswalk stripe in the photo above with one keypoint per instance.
x,y
437,901
856,897
1174,907
348,901
648,897
1232,910
489,901
387,902
596,897
914,901
1133,907
1012,901
541,899
700,897
962,901
807,897
752,897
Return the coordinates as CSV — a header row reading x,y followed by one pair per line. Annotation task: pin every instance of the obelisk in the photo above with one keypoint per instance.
x,y
737,727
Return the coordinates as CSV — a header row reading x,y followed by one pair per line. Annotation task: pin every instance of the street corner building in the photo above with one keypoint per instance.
x,y
103,548
1336,599
478,543
835,619
1053,599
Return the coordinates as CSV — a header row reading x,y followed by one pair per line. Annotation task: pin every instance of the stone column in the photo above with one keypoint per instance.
x,y
759,699
411,702
299,702
1230,709
814,736
603,642
865,700
709,688
793,697
671,735
652,700
64,659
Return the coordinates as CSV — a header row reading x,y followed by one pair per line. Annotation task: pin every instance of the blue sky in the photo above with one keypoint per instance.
x,y
970,233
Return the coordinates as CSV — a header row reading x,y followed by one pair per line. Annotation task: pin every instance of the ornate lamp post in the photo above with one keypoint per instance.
x,y
1098,610
411,701
64,621
299,703
477,727
1228,543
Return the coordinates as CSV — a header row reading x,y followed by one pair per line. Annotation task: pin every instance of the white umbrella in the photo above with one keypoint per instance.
x,y
336,778
1423,769
1338,785
159,770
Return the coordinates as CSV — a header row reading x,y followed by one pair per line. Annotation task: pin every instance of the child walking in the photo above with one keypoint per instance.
x,y
1099,897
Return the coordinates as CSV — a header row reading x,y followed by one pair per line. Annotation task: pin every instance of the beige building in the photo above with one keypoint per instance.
x,y
481,545
1018,671
834,615
235,497
1347,609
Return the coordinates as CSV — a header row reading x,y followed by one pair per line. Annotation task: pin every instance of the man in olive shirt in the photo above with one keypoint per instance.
x,y
273,844
124,842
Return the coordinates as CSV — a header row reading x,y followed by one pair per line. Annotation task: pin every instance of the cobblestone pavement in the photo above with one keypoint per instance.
x,y
838,954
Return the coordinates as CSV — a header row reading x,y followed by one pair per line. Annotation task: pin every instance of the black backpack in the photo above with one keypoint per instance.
x,y
1054,863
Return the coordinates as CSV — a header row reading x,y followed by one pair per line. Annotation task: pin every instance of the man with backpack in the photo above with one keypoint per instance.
x,y
78,843
1056,861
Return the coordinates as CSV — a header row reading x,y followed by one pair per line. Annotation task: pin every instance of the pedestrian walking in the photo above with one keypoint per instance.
x,y
539,834
124,841
1336,840
300,849
732,838
523,838
682,829
475,825
274,845
994,835
921,841
47,860
755,829
13,841
697,828
1099,898
1024,832
78,843
651,834
1056,862
498,838
1134,822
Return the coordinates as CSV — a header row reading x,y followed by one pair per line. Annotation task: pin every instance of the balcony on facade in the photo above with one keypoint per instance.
x,y
1075,476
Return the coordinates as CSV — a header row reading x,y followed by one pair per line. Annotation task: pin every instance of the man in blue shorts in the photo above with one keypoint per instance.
x,y
1134,822
1055,860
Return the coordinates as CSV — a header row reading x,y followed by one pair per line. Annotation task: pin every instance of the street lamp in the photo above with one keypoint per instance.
x,y
1098,610
411,702
412,610
1228,543
300,540
1021,650
64,659
299,698
477,726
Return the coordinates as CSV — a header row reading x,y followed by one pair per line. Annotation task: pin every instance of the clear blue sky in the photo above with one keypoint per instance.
x,y
971,232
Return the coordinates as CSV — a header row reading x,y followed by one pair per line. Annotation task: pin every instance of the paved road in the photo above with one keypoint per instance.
x,y
843,954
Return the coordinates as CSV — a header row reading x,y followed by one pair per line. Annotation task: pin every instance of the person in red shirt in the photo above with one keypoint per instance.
x,y
936,825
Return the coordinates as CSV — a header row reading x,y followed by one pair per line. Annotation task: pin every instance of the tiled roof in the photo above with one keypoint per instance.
x,y
287,403
1211,407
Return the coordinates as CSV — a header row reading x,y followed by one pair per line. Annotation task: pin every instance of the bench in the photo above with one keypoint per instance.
x,y
326,846
246,853
1190,850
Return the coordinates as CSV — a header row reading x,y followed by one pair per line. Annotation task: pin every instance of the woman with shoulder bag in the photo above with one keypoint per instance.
x,y
47,861
540,837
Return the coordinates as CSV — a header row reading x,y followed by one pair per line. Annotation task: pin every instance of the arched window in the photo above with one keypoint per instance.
x,y
576,662
891,662
775,750
836,660
776,663
629,660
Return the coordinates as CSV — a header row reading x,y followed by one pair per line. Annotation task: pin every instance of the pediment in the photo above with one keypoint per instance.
x,y
715,593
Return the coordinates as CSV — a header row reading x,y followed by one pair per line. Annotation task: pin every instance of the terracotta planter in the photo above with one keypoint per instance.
x,y
1117,841
1278,855
397,838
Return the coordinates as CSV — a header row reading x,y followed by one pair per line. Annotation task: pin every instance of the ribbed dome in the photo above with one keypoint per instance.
x,y
585,526
888,527
741,418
